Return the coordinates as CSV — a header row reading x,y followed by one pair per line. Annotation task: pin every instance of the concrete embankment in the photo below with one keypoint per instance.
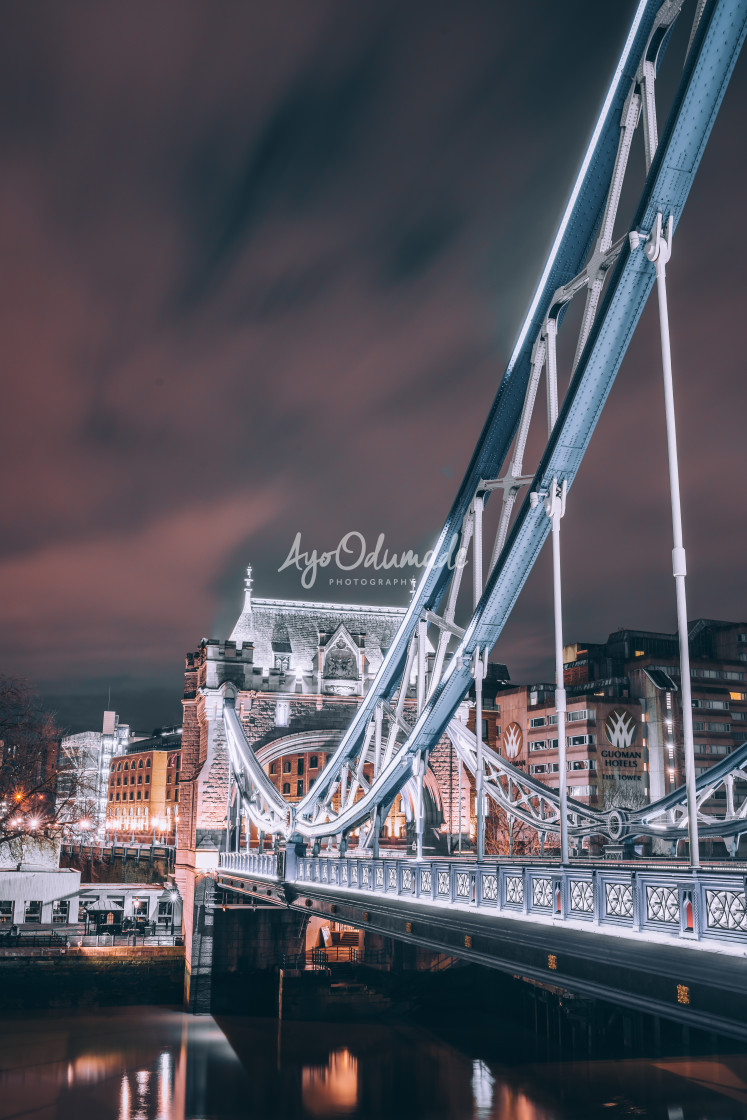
x,y
90,977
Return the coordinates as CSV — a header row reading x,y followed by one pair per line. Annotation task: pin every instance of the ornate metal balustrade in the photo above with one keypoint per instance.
x,y
703,906
251,862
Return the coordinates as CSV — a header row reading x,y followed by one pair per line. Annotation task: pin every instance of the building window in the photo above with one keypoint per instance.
x,y
176,795
147,794
6,912
484,729
60,911
580,740
313,762
282,713
147,779
273,767
117,797
140,779
33,912
147,762
139,795
286,766
582,764
127,766
300,766
299,788
112,766
537,768
178,761
538,745
140,764
132,796
537,721
583,715
286,787
111,796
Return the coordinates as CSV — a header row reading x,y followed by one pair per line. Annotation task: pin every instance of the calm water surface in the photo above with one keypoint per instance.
x,y
156,1064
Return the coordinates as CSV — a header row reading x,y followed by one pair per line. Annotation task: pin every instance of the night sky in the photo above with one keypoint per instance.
x,y
261,268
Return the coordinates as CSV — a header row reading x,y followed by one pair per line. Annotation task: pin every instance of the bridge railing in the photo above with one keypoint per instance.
x,y
251,861
705,906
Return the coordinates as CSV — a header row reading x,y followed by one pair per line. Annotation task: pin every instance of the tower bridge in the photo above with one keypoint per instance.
x,y
376,695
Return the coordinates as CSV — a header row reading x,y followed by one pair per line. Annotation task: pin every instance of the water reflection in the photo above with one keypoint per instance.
x,y
332,1089
155,1064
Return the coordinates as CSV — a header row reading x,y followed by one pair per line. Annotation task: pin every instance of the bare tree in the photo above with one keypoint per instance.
x,y
505,837
42,790
617,792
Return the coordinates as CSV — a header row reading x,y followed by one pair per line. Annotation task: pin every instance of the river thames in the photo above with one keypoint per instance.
x,y
150,1063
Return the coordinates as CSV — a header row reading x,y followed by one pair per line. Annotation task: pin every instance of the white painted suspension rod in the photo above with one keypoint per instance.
x,y
658,249
555,509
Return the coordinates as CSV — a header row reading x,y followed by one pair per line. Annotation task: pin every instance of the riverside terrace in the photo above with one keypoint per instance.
x,y
660,938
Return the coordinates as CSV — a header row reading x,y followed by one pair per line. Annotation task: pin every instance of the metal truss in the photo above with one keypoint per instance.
x,y
526,799
432,657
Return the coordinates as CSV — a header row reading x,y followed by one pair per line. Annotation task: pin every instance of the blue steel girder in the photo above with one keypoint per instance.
x,y
569,252
709,66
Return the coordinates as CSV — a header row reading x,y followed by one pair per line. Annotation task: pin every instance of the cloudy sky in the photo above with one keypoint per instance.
x,y
261,267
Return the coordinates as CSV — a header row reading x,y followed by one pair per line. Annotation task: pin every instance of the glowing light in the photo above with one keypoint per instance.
x,y
482,1088
332,1089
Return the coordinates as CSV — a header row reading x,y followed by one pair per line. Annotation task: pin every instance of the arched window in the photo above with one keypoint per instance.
x,y
140,764
286,787
119,766
127,766
147,762
313,762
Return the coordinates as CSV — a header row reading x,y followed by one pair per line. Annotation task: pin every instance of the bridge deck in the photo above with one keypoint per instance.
x,y
660,939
